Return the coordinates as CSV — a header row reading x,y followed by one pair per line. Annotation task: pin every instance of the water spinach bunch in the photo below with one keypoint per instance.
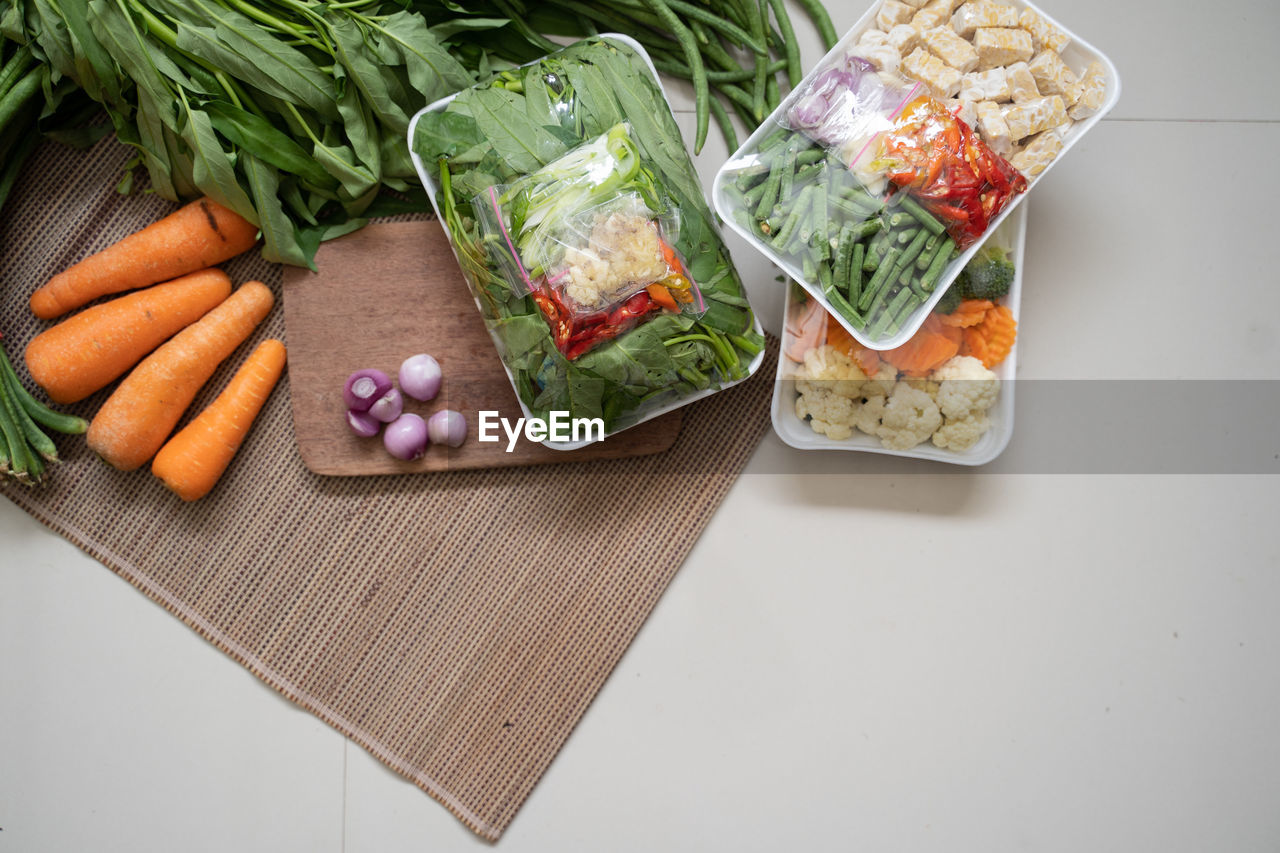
x,y
293,113
525,118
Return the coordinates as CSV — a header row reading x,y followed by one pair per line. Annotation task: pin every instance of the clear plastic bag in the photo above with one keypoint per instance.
x,y
591,241
867,190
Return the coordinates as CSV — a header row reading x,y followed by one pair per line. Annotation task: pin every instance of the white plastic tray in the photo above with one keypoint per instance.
x,y
797,433
1077,55
432,191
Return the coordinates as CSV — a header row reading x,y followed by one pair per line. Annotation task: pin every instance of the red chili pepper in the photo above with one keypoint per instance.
x,y
939,159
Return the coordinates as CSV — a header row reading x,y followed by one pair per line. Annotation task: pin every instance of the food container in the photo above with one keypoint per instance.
x,y
579,331
861,110
796,432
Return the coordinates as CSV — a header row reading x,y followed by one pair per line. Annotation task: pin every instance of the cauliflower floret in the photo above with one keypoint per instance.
x,y
834,368
622,251
910,417
881,385
870,413
962,433
965,387
829,413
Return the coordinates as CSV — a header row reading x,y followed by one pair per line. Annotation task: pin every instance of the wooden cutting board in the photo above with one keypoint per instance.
x,y
384,293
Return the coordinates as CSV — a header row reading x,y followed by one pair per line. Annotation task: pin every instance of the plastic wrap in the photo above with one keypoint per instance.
x,y
583,232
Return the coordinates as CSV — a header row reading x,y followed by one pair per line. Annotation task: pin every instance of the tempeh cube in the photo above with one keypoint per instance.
x,y
933,72
904,38
1053,77
1038,153
1035,116
1022,86
990,85
982,13
893,13
951,49
1046,35
1001,46
1093,91
993,128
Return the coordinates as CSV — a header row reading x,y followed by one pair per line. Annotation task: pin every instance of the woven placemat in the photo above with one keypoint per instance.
x,y
456,625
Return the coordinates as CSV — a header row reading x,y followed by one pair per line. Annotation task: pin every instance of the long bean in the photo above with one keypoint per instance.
x,y
790,46
701,91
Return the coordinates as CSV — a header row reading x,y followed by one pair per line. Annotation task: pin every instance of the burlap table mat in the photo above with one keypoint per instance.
x,y
455,625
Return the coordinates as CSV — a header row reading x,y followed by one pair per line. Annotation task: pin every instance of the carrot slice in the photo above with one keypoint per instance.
x,y
924,351
992,340
970,312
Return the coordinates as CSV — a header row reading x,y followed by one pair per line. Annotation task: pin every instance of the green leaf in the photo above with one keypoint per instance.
x,y
524,145
340,162
244,49
279,235
444,134
260,138
353,50
212,167
433,71
446,30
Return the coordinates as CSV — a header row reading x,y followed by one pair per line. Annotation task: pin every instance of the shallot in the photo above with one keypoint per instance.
x,y
420,377
388,407
364,387
447,427
406,437
363,424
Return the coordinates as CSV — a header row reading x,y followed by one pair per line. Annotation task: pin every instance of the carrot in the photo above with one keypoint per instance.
x,y
197,235
970,312
924,351
868,360
92,349
663,297
992,340
139,415
191,462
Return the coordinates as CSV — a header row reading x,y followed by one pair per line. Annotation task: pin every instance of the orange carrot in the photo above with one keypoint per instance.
x,y
198,235
139,415
191,462
992,340
663,297
924,351
92,349
970,312
868,360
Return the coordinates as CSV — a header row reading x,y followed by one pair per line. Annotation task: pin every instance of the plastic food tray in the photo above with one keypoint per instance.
x,y
1077,55
797,433
432,191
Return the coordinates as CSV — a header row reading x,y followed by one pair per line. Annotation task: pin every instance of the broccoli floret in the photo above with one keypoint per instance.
x,y
950,300
988,275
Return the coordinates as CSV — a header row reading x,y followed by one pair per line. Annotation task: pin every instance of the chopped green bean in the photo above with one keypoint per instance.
x,y
939,263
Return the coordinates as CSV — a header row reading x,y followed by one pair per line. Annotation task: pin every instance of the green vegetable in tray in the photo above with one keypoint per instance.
x,y
988,275
813,211
529,117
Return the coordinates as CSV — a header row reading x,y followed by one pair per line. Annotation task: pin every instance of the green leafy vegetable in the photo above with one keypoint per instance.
x,y
597,101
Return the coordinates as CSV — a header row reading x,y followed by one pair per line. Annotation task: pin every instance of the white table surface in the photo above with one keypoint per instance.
x,y
861,652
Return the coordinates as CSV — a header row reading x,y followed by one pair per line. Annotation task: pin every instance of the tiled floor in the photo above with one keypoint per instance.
x,y
860,653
